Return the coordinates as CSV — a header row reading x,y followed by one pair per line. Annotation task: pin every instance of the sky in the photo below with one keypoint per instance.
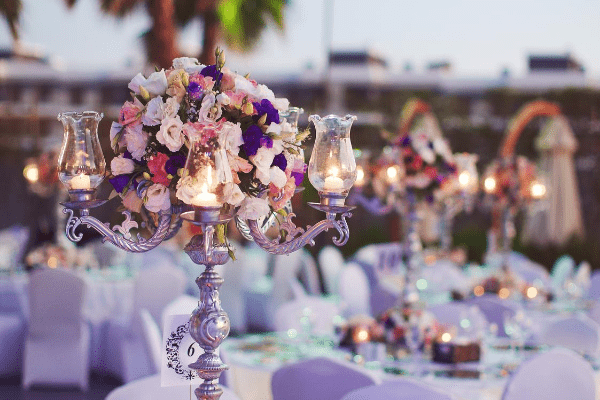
x,y
479,37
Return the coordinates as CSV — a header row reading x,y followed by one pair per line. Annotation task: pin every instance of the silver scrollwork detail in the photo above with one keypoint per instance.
x,y
71,226
294,242
139,246
126,226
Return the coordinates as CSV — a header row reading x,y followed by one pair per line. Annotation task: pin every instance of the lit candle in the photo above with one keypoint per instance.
x,y
463,179
489,184
333,182
80,182
205,199
538,190
360,176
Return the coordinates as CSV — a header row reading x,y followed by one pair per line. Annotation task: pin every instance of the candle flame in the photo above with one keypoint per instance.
x,y
333,171
489,184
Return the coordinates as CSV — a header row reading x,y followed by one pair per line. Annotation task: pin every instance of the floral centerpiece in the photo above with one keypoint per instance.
x,y
509,181
221,109
428,162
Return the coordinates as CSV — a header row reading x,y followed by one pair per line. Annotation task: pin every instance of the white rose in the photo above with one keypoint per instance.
x,y
278,177
223,99
253,208
157,198
244,85
265,93
154,112
209,111
189,64
171,133
281,104
263,160
230,137
121,165
232,194
136,140
170,108
187,189
156,84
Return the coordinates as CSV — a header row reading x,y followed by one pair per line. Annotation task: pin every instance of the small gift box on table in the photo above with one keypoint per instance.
x,y
455,352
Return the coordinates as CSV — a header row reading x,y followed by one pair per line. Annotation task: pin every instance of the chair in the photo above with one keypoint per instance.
x,y
318,379
559,374
582,277
396,390
152,339
183,304
12,329
355,294
57,343
331,263
308,312
149,389
594,290
127,355
232,291
581,334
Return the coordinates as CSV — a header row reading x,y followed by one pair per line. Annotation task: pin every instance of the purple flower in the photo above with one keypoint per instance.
x,y
265,107
266,141
213,72
405,142
174,163
120,181
128,155
194,91
280,161
252,137
298,177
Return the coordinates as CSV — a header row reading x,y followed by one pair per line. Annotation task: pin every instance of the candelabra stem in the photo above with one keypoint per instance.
x,y
414,254
209,324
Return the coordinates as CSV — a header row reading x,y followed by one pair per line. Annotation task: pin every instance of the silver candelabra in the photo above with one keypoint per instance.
x,y
209,323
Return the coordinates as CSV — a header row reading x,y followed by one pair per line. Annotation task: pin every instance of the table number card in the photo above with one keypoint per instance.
x,y
178,351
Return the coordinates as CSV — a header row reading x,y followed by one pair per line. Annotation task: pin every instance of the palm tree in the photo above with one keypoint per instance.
x,y
240,22
11,9
160,40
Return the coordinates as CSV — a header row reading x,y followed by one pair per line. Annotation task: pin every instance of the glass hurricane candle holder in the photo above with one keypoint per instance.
x,y
81,164
332,167
205,173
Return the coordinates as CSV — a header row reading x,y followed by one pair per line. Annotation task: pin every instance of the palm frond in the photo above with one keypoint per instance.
x,y
11,9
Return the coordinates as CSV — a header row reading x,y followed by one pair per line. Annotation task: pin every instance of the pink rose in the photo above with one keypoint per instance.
x,y
288,191
228,80
205,82
131,112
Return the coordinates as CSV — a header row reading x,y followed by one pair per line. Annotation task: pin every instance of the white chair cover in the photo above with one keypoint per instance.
x,y
312,313
318,379
149,389
354,291
57,343
559,374
580,333
397,390
233,289
127,355
444,276
594,290
152,339
183,304
331,263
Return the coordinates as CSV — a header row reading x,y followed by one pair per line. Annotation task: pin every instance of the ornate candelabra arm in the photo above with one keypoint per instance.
x,y
298,237
122,239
